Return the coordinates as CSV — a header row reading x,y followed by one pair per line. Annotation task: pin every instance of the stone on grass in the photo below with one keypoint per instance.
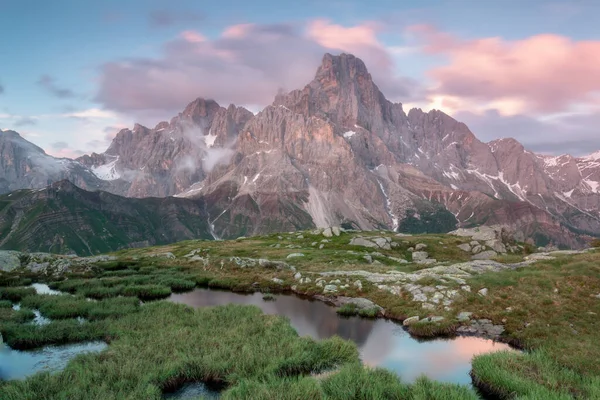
x,y
465,247
420,255
358,285
295,255
484,255
483,292
411,320
297,276
464,316
335,230
420,246
327,232
277,280
9,260
330,289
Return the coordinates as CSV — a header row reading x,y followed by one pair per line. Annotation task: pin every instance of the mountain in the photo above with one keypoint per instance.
x,y
63,218
163,161
24,165
337,152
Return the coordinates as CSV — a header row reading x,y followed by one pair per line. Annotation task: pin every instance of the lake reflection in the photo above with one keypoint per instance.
x,y
380,342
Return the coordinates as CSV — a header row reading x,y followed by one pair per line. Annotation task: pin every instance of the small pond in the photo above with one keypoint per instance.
x,y
381,343
16,364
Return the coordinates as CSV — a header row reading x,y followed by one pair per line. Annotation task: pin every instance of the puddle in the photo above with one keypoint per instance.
x,y
380,342
17,364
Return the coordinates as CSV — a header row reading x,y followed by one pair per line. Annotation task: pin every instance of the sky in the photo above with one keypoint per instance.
x,y
73,73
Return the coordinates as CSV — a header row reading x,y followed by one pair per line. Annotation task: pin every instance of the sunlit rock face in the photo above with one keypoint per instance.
x,y
334,153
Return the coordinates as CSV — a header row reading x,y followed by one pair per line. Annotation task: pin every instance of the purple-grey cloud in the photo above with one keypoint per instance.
x,y
246,65
59,145
165,18
576,134
48,83
25,121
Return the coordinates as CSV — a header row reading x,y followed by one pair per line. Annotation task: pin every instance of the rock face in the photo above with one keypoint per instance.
x,y
335,153
64,219
23,165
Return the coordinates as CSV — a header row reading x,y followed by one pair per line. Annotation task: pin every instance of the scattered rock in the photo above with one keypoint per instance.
x,y
313,244
335,230
277,281
484,255
428,306
297,276
330,289
358,285
482,327
373,242
464,316
482,292
368,258
420,246
476,249
465,247
434,319
496,245
300,237
482,233
411,320
9,260
295,255
321,246
411,249
168,255
327,232
419,255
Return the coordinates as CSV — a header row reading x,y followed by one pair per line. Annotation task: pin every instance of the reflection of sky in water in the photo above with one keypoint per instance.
x,y
15,364
42,288
381,343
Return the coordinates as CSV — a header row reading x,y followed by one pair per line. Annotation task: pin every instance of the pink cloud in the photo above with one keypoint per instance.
x,y
246,65
547,73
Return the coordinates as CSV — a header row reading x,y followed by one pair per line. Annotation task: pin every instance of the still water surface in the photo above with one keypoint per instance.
x,y
380,342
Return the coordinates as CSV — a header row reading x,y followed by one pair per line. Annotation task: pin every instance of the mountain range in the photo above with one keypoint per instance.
x,y
335,152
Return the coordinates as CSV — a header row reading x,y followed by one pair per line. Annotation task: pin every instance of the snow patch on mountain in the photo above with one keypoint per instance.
x,y
108,171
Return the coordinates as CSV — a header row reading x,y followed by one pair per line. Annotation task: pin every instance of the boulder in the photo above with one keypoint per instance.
x,y
484,255
335,230
476,249
368,258
420,246
327,232
419,255
464,316
330,289
411,320
465,247
482,292
9,260
294,255
496,245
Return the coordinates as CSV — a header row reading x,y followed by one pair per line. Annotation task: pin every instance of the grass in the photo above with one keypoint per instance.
x,y
28,336
536,374
67,307
351,309
549,308
425,329
15,294
226,344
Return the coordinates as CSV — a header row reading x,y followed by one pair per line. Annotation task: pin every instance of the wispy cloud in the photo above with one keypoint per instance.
x,y
48,83
25,121
163,18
